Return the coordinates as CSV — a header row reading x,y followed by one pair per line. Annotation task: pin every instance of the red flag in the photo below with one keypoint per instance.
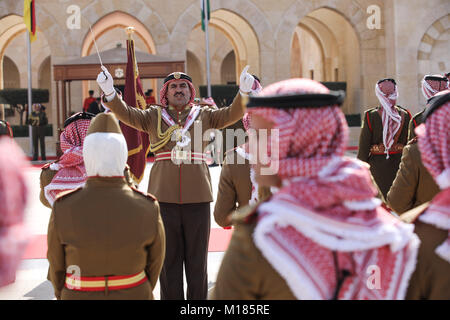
x,y
138,142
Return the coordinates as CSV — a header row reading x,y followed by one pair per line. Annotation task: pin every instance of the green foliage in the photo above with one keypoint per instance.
x,y
20,96
22,131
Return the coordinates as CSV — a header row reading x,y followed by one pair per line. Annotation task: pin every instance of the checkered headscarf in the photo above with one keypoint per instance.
x,y
13,201
327,204
434,144
70,166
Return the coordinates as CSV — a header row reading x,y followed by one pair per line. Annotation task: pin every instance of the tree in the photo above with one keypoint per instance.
x,y
18,99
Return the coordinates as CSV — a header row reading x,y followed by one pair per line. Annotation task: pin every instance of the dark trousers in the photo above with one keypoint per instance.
x,y
187,228
38,133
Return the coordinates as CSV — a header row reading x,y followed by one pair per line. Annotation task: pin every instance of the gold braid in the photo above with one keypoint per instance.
x,y
163,136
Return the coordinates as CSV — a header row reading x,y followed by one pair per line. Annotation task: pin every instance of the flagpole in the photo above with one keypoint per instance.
x,y
29,91
206,21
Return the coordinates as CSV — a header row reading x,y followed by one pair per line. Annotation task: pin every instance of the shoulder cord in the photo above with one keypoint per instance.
x,y
163,136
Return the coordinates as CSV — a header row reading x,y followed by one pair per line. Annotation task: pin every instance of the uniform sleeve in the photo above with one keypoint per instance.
x,y
133,117
226,198
411,127
238,275
365,139
221,118
45,179
156,251
401,196
55,256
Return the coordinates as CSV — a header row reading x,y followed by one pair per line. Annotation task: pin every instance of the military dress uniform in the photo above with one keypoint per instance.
x,y
234,281
235,188
106,240
416,121
371,148
413,184
183,188
431,278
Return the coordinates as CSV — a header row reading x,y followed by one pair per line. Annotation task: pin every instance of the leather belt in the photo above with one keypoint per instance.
x,y
379,149
107,283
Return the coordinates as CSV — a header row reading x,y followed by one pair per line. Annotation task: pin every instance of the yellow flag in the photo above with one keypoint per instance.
x,y
29,18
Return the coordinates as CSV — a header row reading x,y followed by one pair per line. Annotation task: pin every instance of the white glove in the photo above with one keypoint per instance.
x,y
245,81
106,83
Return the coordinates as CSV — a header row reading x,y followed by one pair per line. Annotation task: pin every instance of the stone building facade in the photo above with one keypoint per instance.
x,y
354,41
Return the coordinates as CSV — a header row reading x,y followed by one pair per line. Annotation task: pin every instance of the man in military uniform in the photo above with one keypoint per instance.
x,y
431,278
413,184
431,84
312,239
383,135
237,185
180,177
38,120
105,240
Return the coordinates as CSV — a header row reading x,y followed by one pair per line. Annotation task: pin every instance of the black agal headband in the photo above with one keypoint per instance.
x,y
176,76
436,78
308,100
435,103
78,116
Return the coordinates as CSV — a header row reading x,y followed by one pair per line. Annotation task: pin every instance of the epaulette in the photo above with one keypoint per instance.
x,y
412,215
245,215
67,193
412,141
145,194
46,166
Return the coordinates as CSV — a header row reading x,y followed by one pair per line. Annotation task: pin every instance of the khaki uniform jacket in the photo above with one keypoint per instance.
x,y
416,121
105,228
244,273
413,184
383,170
170,182
431,278
235,186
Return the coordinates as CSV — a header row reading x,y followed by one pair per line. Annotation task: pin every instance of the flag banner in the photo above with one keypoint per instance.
x,y
138,142
202,6
29,18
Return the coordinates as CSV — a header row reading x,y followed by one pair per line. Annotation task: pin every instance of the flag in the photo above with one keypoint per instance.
x,y
203,12
138,142
29,18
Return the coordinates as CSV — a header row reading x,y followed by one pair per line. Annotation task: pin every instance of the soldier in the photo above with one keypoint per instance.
x,y
179,178
431,279
383,135
323,235
237,183
38,120
105,240
413,184
430,86
5,129
68,172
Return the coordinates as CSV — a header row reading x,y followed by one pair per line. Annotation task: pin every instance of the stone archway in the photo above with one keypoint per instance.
x,y
330,52
256,30
372,57
432,55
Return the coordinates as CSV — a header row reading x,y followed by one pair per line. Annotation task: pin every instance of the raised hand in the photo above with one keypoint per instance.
x,y
105,81
246,81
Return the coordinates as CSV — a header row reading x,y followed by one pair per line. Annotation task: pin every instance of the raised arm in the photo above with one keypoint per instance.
x,y
134,117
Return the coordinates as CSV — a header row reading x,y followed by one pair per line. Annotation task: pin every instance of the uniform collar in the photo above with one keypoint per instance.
x,y
98,181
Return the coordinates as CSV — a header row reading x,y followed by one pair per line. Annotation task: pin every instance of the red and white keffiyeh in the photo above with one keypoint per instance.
x,y
13,201
327,205
390,117
163,92
70,166
434,145
431,87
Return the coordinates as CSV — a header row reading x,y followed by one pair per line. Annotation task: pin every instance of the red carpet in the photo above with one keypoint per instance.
x,y
37,247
